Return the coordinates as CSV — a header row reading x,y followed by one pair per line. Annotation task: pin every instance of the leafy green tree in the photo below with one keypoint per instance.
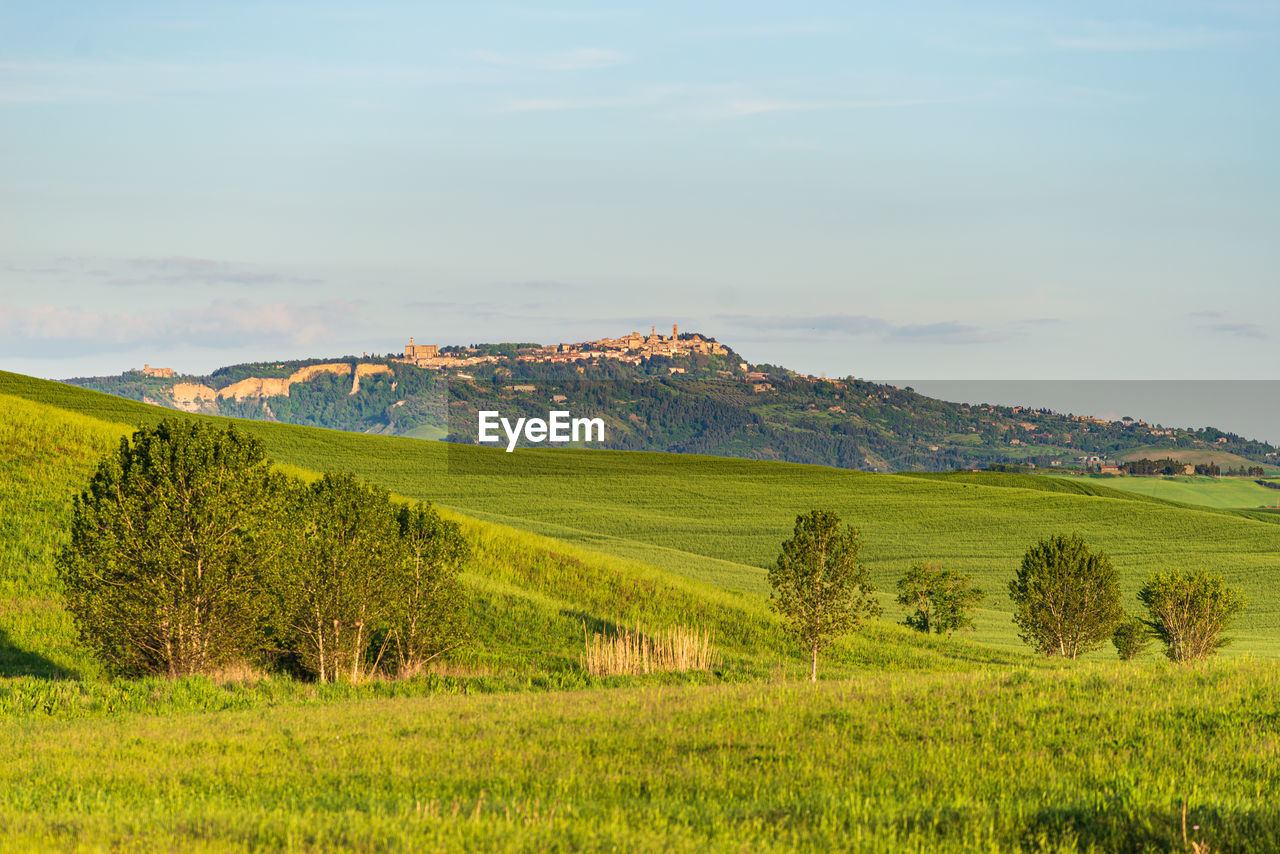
x,y
428,608
1066,598
1131,638
338,591
941,600
170,546
1189,611
819,587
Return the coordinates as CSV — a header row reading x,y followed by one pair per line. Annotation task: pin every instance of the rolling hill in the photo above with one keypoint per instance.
x,y
909,743
717,521
696,404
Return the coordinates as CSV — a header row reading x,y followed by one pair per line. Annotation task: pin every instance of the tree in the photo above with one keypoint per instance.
x,y
338,593
1189,611
819,587
1131,638
1066,598
942,600
428,607
170,545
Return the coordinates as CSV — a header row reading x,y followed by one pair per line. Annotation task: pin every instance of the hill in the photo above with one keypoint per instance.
x,y
718,521
1191,456
910,743
695,402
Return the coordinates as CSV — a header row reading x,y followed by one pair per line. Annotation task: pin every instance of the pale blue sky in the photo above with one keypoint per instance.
x,y
980,190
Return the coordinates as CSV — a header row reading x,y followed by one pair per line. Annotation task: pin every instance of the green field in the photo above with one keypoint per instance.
x,y
1193,456
719,520
910,743
1190,489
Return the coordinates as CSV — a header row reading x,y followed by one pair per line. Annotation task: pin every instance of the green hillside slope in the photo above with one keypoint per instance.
x,y
531,597
718,521
1190,489
916,744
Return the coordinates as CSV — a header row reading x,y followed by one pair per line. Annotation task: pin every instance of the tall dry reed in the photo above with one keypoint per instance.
x,y
634,653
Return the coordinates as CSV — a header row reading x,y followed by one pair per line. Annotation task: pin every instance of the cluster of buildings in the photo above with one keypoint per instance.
x,y
630,349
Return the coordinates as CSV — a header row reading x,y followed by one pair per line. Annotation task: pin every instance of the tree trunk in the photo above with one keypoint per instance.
x,y
813,674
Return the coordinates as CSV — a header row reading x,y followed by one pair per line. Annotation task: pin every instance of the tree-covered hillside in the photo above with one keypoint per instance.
x,y
702,404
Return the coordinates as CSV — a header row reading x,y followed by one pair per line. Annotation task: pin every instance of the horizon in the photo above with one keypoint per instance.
x,y
1058,193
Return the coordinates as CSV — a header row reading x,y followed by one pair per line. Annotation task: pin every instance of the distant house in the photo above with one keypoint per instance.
x,y
1110,469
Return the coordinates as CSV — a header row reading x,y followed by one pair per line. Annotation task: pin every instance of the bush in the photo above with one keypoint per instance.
x,y
427,605
1131,638
1189,611
339,586
188,554
170,546
1067,599
941,599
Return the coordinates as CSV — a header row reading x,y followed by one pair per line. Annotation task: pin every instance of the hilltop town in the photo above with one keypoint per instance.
x,y
629,349
682,392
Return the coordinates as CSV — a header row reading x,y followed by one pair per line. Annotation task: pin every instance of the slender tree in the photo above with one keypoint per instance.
x,y
170,546
1067,598
338,591
819,587
941,600
428,608
1189,611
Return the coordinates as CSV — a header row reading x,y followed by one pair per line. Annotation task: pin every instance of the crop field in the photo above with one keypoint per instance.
x,y
909,742
1195,456
1206,491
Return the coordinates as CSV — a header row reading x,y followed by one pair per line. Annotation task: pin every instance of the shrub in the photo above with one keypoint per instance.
x,y
170,545
819,587
942,600
427,605
1189,611
339,588
1066,598
1131,638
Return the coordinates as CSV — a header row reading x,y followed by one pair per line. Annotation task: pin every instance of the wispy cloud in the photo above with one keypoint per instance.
x,y
710,102
857,325
27,330
1137,36
180,270
161,272
577,59
947,333
71,82
1217,322
749,107
1238,330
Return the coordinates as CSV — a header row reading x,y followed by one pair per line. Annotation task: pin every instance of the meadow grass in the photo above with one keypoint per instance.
x,y
1096,757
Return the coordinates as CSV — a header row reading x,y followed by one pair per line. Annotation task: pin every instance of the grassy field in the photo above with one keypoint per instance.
x,y
910,743
1093,758
1205,491
1194,456
719,521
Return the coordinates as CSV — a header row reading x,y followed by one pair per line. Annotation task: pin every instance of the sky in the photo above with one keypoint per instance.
x,y
977,191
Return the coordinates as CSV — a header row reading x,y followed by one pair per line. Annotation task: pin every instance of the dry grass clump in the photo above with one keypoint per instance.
x,y
633,653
